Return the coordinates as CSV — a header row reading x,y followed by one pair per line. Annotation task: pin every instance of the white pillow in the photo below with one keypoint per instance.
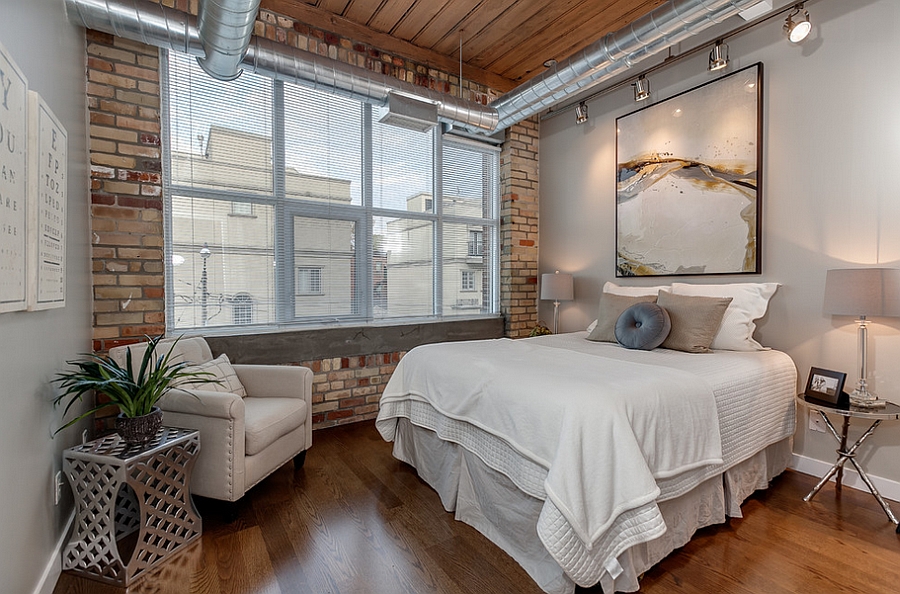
x,y
632,291
749,303
221,369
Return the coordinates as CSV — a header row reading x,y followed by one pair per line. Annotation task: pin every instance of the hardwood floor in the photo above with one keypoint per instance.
x,y
356,521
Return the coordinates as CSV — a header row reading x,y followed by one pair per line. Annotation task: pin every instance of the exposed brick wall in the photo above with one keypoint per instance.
x,y
519,228
127,233
347,389
126,190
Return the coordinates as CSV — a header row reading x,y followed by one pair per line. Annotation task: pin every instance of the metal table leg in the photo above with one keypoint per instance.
x,y
845,454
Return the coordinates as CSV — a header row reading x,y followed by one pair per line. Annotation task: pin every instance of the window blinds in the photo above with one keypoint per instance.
x,y
286,205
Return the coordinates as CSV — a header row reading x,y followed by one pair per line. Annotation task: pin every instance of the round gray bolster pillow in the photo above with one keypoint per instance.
x,y
643,326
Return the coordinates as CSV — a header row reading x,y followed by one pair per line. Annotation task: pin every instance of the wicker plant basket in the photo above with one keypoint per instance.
x,y
139,429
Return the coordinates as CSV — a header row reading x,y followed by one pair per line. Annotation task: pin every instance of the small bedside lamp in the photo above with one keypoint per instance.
x,y
557,287
863,292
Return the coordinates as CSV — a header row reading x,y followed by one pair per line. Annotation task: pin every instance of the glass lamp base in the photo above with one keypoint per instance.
x,y
866,399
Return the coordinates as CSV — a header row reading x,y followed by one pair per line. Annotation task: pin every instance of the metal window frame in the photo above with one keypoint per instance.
x,y
362,215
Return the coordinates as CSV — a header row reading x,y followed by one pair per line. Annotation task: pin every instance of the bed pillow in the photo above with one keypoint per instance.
x,y
611,307
695,320
749,303
221,370
632,291
643,326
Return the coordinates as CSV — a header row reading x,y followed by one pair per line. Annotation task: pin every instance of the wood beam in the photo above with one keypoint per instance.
x,y
309,15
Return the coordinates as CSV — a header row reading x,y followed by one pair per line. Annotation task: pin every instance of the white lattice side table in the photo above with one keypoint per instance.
x,y
121,489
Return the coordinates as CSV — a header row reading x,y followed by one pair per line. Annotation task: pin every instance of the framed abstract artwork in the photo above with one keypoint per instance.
x,y
687,181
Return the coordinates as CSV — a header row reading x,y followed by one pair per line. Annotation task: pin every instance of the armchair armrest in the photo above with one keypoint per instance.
x,y
276,381
205,403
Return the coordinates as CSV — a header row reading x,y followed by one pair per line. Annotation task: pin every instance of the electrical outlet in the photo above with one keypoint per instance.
x,y
816,423
57,487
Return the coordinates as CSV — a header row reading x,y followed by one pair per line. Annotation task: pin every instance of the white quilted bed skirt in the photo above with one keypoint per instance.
x,y
492,504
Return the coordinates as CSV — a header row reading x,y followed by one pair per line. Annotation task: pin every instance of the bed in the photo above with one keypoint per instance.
x,y
585,461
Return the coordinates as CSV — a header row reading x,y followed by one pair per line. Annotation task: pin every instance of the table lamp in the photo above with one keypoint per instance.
x,y
557,287
863,292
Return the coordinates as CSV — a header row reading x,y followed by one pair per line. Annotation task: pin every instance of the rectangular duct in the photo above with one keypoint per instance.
x,y
410,113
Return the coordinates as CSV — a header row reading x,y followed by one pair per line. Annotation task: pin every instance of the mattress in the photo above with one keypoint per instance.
x,y
752,394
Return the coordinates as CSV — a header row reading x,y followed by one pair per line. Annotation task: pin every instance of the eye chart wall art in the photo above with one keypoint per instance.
x,y
13,216
47,158
687,181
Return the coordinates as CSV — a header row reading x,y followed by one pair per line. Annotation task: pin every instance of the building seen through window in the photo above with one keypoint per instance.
x,y
333,219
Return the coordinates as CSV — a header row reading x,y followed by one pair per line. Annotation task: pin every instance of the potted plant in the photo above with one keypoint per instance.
x,y
135,391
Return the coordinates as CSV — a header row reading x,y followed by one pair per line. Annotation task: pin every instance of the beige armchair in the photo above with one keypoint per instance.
x,y
242,439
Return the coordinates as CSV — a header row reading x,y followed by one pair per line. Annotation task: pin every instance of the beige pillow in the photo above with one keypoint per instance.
x,y
610,287
750,303
695,320
611,307
221,370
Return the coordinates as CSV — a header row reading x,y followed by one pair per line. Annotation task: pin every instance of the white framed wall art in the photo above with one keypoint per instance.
x,y
13,179
47,159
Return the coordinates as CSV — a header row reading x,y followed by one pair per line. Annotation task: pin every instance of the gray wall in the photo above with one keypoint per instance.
x,y
830,199
33,346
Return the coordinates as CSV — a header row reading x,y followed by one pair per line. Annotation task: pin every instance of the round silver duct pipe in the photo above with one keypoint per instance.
x,y
150,23
225,30
658,30
319,72
153,24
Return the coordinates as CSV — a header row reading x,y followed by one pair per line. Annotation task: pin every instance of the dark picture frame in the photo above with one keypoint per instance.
x,y
825,385
689,180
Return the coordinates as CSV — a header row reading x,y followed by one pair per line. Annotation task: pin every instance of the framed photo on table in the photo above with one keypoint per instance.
x,y
825,385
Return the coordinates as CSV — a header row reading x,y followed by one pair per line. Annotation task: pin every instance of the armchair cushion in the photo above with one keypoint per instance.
x,y
267,419
221,370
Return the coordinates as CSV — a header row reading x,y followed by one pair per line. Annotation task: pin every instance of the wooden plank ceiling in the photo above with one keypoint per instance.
x,y
504,42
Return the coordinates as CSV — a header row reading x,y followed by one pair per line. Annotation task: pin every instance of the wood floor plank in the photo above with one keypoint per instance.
x,y
354,520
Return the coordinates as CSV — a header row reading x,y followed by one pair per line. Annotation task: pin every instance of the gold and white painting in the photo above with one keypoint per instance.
x,y
687,184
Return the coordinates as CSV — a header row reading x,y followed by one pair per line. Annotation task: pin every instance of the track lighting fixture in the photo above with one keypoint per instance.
x,y
797,30
718,57
581,113
641,89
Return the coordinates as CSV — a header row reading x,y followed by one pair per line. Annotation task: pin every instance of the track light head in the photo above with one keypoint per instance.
x,y
718,57
641,88
797,30
581,113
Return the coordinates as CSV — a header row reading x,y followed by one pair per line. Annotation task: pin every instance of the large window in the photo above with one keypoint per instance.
x,y
286,205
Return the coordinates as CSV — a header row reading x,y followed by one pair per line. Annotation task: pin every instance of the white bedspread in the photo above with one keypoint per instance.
x,y
605,431
753,408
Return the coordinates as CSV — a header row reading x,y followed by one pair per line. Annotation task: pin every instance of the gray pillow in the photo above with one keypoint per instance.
x,y
611,307
695,320
643,326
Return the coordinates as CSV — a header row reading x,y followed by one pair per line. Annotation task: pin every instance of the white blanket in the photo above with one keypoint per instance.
x,y
605,431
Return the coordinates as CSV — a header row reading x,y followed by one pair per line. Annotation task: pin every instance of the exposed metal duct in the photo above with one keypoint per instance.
x,y
143,21
153,24
225,30
319,72
150,23
615,53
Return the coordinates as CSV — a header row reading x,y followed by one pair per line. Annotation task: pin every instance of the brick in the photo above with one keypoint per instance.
x,y
136,124
140,280
137,72
118,319
117,187
154,292
107,78
134,149
113,133
135,97
111,53
118,107
114,212
139,254
144,330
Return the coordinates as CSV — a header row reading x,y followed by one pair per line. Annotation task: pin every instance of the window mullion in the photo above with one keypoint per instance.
x,y
284,238
438,203
364,251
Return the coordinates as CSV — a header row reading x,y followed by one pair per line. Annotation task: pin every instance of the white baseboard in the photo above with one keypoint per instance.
x,y
889,489
54,566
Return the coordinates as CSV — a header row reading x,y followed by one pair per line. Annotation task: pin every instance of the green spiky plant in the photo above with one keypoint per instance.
x,y
134,393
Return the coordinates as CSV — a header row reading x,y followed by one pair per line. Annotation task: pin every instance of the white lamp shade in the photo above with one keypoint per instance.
x,y
557,287
863,292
